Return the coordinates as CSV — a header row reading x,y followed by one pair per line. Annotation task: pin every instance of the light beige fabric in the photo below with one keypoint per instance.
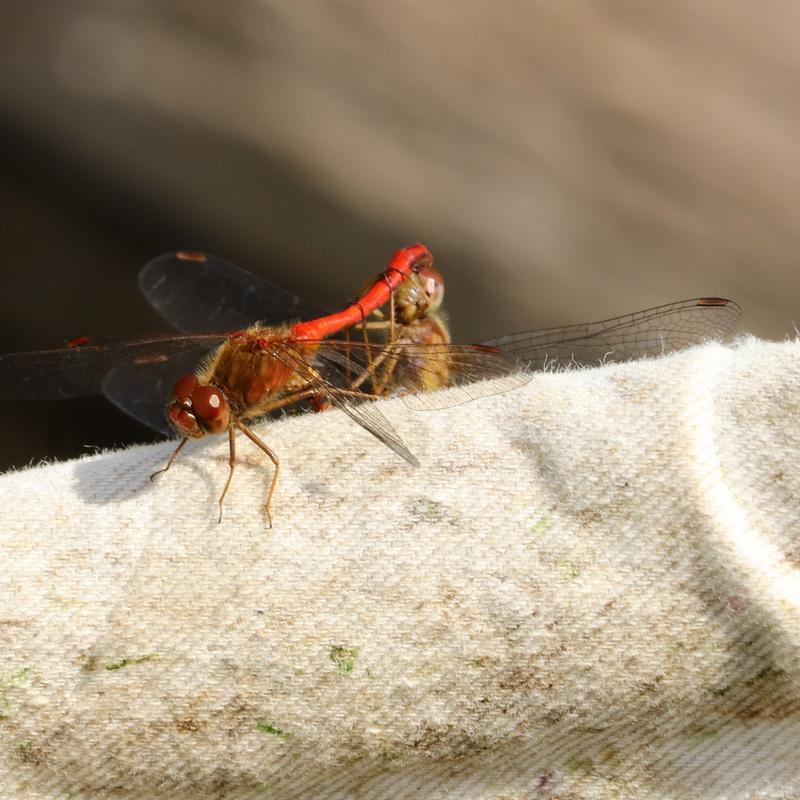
x,y
590,588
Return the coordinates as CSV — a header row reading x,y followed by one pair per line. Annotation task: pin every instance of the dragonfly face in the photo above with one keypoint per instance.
x,y
196,408
419,295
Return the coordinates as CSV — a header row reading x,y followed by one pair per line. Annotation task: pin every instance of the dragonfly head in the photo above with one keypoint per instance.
x,y
419,295
196,408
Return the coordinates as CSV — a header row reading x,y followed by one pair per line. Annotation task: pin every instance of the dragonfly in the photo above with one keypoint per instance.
x,y
255,363
417,319
413,330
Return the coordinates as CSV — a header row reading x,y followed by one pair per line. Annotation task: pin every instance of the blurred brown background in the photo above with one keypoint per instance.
x,y
564,161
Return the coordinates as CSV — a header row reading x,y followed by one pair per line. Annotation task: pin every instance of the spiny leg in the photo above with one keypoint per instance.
x,y
390,323
370,370
388,368
364,327
373,361
374,324
368,350
171,458
377,322
392,332
347,355
295,397
231,465
324,388
311,393
337,392
387,372
256,441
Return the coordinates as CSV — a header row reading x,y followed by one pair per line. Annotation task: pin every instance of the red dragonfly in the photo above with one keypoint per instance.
x,y
267,365
416,319
260,367
414,330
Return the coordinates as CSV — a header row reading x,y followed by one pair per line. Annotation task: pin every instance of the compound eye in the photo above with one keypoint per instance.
x,y
211,408
433,285
182,391
182,420
207,401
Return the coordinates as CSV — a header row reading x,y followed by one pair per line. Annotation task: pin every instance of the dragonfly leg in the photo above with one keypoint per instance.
x,y
375,324
386,373
353,393
295,397
370,370
350,380
256,441
364,327
231,465
392,332
347,375
171,458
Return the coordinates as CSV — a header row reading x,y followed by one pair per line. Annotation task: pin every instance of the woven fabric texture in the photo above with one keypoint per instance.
x,y
590,588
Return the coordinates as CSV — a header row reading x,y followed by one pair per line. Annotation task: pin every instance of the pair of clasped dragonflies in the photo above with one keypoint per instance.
x,y
392,341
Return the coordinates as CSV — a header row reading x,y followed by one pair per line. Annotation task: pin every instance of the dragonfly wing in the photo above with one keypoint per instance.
x,y
415,371
49,374
645,333
470,371
196,292
372,420
81,371
141,386
327,375
98,368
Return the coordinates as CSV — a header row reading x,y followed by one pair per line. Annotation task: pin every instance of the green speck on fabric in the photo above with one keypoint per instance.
x,y
126,662
16,678
430,510
540,526
569,570
265,727
344,657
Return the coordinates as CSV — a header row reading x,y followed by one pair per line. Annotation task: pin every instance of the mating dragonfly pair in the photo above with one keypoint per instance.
x,y
393,341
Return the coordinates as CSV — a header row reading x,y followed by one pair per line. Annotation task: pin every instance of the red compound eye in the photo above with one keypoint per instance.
x,y
180,418
433,285
207,402
211,408
183,421
182,391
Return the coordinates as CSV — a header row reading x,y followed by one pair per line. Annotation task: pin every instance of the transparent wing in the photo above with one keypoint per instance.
x,y
372,420
333,386
132,373
645,333
352,374
197,292
141,387
415,371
